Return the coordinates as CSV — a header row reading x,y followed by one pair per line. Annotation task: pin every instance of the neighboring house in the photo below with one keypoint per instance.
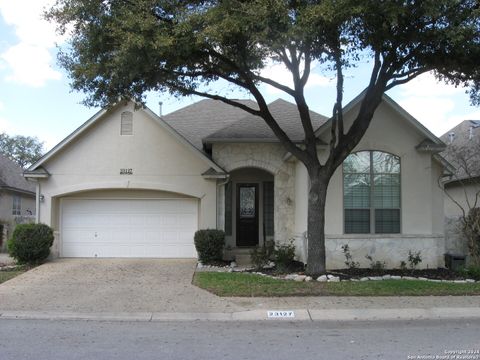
x,y
462,189
129,183
17,198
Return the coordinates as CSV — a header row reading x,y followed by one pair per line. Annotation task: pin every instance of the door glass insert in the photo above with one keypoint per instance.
x,y
247,202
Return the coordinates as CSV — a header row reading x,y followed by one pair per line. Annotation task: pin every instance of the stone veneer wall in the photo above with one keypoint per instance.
x,y
269,157
389,248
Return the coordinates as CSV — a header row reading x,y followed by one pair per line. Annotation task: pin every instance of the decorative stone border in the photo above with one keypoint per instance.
x,y
323,278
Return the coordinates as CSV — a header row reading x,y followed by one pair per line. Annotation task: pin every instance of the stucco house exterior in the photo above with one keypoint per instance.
x,y
130,183
462,188
17,198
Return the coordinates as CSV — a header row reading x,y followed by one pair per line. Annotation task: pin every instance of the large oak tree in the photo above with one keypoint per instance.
x,y
125,48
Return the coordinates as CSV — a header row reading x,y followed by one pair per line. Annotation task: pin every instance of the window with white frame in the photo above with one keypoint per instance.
x,y
371,193
17,205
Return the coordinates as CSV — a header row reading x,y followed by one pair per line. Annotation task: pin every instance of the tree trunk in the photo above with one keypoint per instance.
x,y
317,194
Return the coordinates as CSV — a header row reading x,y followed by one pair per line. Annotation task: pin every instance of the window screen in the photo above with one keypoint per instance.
x,y
371,193
17,205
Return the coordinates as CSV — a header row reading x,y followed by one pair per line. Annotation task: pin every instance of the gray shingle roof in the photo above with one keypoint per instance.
x,y
463,149
254,127
199,120
11,176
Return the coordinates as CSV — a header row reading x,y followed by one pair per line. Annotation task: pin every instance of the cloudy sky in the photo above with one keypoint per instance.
x,y
35,98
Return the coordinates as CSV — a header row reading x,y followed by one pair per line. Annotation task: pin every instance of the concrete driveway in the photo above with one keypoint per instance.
x,y
110,285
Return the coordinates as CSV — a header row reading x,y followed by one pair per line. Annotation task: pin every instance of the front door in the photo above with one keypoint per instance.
x,y
247,215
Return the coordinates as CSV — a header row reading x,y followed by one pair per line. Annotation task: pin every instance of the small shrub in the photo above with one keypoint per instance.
x,y
30,243
262,255
403,265
349,258
414,258
471,231
209,244
284,256
471,272
375,265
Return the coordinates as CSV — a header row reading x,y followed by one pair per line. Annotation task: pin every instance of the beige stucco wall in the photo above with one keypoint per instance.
x,y
160,163
463,194
421,200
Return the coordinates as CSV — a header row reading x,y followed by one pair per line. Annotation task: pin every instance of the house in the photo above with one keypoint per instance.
x,y
462,189
130,183
17,198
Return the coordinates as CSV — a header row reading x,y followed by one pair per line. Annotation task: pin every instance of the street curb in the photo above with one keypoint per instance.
x,y
259,315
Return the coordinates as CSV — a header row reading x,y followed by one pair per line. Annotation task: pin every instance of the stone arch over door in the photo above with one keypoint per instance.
x,y
268,157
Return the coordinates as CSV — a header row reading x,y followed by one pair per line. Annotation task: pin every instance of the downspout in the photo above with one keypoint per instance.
x,y
37,203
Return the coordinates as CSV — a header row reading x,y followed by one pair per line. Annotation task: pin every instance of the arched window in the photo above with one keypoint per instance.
x,y
126,123
371,193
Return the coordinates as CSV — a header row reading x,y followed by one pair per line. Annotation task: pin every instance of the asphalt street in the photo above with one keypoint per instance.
x,y
47,340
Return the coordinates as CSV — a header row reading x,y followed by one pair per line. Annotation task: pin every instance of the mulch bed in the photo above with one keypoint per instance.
x,y
344,274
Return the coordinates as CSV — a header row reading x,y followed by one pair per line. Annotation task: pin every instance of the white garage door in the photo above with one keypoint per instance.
x,y
128,228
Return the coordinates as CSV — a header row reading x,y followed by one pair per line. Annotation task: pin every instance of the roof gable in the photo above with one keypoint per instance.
x,y
98,117
394,106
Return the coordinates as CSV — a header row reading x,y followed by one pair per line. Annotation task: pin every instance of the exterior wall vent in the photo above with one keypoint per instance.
x,y
126,123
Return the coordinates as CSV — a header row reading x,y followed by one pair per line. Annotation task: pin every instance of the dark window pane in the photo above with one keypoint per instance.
x,y
387,221
384,163
356,191
268,207
386,192
357,221
358,162
228,209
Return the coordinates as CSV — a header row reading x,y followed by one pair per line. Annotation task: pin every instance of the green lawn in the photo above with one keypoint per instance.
x,y
7,275
246,285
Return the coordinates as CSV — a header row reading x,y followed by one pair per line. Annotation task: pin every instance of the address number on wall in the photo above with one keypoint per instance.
x,y
126,171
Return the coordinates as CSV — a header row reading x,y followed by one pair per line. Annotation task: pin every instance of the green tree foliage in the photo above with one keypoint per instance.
x,y
24,150
124,48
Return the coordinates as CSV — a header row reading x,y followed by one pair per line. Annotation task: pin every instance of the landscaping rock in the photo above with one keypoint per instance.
x,y
375,278
300,278
334,279
199,265
364,279
233,264
459,281
308,278
290,277
395,277
409,278
422,278
469,280
322,278
330,276
386,277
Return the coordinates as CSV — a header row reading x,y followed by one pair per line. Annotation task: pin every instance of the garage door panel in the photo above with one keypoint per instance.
x,y
128,228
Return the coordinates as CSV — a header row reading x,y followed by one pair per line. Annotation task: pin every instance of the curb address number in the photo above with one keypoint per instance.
x,y
280,314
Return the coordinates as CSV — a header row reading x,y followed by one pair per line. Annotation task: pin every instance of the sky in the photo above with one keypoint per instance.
x,y
36,98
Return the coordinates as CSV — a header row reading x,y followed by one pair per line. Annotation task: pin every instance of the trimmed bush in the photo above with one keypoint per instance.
x,y
209,244
284,256
30,243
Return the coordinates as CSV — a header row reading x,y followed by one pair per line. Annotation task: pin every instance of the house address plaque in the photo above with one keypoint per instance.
x,y
126,171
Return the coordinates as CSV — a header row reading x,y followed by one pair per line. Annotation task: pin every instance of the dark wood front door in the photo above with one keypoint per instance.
x,y
247,214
